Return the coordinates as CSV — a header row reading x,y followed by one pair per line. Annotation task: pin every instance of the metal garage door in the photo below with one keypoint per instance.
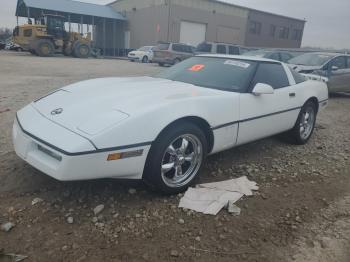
x,y
192,33
228,35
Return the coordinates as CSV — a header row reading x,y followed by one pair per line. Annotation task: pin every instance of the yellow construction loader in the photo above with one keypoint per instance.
x,y
48,36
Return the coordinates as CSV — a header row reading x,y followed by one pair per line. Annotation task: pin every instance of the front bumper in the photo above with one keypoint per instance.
x,y
134,58
67,166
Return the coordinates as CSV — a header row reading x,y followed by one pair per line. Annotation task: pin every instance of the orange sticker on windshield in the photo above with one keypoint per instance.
x,y
197,68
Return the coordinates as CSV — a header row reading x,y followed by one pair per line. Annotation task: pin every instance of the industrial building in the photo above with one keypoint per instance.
x,y
129,24
195,21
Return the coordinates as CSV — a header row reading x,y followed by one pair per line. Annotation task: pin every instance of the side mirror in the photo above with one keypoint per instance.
x,y
335,68
263,89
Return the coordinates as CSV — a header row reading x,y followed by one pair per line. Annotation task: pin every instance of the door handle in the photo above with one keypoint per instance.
x,y
292,95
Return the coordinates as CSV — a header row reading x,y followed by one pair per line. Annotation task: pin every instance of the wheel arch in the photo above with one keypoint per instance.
x,y
315,101
198,121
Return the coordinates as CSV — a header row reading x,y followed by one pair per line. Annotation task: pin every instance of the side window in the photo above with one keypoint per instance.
x,y
274,56
221,49
297,77
233,50
188,49
27,32
255,27
348,61
177,47
339,62
272,74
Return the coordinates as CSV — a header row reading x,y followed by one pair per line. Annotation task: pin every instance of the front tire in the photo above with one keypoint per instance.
x,y
44,48
145,60
305,125
176,158
81,50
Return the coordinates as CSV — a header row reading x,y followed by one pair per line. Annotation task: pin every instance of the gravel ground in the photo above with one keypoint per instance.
x,y
300,213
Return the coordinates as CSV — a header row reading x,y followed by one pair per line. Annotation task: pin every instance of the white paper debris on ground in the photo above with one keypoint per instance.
x,y
212,197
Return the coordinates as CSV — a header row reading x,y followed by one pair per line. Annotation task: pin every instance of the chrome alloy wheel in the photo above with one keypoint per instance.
x,y
307,122
181,160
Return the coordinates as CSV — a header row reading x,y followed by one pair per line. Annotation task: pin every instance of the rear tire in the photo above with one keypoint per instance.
x,y
305,125
161,64
44,48
81,50
176,158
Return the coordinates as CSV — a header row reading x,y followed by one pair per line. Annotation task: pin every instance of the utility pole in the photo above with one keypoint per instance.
x,y
169,16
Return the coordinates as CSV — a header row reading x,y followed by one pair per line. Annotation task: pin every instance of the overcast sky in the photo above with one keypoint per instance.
x,y
328,22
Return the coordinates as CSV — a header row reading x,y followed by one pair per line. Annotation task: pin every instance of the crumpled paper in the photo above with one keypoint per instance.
x,y
212,197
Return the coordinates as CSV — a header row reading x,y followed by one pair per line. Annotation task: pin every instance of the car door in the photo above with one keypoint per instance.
x,y
187,52
265,115
177,51
339,74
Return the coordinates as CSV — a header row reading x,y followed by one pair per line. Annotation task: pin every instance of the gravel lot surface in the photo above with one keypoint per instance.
x,y
300,213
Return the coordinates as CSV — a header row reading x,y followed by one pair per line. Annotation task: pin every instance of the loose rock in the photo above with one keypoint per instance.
x,y
132,191
233,209
7,226
36,201
98,209
70,220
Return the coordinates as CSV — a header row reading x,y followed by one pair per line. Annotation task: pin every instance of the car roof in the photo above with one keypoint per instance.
x,y
240,57
219,43
329,54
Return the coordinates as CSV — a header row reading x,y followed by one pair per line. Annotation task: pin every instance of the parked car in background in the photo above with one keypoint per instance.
x,y
143,54
2,45
171,53
201,106
219,48
278,55
333,67
13,47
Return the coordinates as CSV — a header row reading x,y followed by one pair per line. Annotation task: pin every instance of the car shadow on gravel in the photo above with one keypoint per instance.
x,y
339,95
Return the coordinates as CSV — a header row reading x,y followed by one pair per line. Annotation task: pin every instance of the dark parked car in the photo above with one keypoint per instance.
x,y
278,55
171,53
2,45
13,47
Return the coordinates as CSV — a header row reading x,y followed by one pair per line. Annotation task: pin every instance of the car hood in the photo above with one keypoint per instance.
x,y
92,106
300,68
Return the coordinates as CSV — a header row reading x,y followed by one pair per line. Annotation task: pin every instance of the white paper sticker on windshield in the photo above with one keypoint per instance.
x,y
237,63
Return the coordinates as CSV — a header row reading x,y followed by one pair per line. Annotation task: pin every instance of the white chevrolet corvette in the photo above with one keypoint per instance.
x,y
160,129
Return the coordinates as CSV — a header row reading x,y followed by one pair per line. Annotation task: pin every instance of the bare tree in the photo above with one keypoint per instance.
x,y
5,33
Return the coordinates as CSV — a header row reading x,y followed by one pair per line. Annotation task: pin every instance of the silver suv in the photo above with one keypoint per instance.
x,y
171,53
220,48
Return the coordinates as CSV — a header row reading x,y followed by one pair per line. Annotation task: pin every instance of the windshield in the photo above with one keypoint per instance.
x,y
204,47
311,59
211,72
257,53
145,48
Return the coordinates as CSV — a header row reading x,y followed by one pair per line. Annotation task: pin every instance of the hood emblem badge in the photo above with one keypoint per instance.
x,y
57,111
